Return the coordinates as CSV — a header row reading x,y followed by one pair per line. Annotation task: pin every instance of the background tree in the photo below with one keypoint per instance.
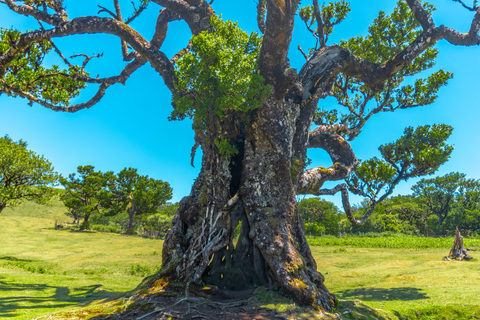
x,y
83,193
24,175
136,194
409,210
255,142
320,216
160,222
438,195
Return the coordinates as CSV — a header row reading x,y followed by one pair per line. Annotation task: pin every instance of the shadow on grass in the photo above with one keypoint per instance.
x,y
32,296
380,294
7,258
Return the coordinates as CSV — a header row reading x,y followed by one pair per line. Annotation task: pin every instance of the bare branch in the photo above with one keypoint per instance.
x,y
103,9
442,32
180,53
136,12
474,8
300,49
86,60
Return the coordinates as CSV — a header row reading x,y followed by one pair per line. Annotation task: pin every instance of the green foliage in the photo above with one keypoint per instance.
x,y
421,151
383,219
320,216
160,222
388,36
26,73
136,194
218,77
24,175
452,192
418,152
371,177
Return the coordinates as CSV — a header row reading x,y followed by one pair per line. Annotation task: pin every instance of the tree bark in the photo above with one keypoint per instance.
x,y
256,190
131,215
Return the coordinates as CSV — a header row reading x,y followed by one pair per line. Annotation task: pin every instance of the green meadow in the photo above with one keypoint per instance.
x,y
45,271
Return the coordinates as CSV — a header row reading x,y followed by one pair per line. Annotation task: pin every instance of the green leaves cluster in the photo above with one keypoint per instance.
x,y
24,175
26,74
418,152
218,77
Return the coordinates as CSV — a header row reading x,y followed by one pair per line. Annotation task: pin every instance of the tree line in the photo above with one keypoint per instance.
x,y
436,206
89,195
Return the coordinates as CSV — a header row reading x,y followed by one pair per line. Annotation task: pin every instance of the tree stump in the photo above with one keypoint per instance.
x,y
458,252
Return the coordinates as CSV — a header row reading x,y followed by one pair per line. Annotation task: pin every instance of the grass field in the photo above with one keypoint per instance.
x,y
43,270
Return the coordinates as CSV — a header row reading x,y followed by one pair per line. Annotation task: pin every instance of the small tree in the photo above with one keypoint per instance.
x,y
82,193
136,194
24,175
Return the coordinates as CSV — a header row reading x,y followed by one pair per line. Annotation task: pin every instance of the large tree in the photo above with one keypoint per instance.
x,y
253,115
24,175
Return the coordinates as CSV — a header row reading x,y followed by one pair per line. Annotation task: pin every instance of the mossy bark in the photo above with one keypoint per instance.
x,y
253,192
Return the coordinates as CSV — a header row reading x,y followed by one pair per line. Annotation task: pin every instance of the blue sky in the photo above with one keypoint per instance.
x,y
129,127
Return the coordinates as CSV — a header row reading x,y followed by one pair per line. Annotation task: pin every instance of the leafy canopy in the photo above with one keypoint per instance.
x,y
218,77
24,175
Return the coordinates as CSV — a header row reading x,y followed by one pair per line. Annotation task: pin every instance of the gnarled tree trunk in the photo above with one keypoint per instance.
x,y
255,189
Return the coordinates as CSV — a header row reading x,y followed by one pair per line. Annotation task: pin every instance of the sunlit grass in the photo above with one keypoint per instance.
x,y
403,281
395,241
43,270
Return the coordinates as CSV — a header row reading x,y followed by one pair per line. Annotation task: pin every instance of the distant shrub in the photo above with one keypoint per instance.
x,y
104,228
139,270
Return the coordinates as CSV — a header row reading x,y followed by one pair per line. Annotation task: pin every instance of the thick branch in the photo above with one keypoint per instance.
x,y
273,63
197,14
84,25
442,32
343,158
346,204
37,14
318,17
